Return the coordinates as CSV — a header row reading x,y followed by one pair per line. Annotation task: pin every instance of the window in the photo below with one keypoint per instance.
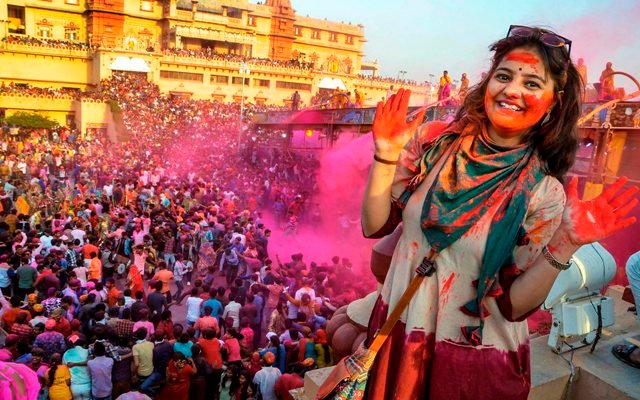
x,y
146,5
261,82
219,79
108,28
297,31
349,40
16,19
237,80
72,2
44,31
315,34
293,85
251,21
71,34
181,76
333,37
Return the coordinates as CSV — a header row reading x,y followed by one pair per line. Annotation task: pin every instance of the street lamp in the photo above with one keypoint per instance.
x,y
244,70
401,73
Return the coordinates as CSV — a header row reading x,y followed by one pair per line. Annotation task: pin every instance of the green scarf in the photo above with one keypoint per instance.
x,y
477,175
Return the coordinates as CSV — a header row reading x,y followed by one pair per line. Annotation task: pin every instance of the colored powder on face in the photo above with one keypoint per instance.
x,y
526,57
515,122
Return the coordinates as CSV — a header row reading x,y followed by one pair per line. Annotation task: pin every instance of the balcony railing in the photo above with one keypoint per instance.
x,y
46,50
253,66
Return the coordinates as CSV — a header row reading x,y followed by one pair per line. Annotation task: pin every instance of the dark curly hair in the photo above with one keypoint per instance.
x,y
555,141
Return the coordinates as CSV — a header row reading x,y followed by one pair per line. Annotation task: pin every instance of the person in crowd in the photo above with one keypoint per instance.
x,y
206,321
211,346
629,353
528,103
464,86
232,346
582,70
162,354
142,354
323,350
76,358
100,369
193,307
267,377
121,371
607,83
232,311
444,89
179,374
197,389
50,340
58,379
277,349
165,277
290,381
183,345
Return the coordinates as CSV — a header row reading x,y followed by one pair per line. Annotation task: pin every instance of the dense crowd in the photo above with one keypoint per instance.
x,y
46,42
25,89
388,79
210,54
135,270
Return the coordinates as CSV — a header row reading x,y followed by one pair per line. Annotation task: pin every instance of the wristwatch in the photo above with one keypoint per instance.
x,y
552,260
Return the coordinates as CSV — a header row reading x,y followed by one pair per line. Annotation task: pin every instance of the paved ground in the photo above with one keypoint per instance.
x,y
179,312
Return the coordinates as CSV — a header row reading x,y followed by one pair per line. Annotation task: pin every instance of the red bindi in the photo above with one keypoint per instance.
x,y
523,57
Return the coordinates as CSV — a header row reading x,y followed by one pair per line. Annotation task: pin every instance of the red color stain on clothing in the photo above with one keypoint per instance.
x,y
413,366
460,371
401,369
526,57
444,291
414,248
446,286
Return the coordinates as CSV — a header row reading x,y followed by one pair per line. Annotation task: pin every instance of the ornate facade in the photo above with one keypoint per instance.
x,y
205,49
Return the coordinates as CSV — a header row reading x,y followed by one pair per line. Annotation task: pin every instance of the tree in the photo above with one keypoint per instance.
x,y
31,121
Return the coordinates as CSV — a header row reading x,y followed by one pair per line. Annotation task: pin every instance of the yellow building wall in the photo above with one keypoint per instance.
x,y
54,108
208,90
45,70
324,54
90,113
139,33
58,20
134,8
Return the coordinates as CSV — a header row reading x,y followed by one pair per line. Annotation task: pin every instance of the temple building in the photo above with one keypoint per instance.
x,y
217,50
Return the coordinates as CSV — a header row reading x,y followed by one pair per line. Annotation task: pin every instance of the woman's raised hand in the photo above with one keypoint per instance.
x,y
391,131
589,221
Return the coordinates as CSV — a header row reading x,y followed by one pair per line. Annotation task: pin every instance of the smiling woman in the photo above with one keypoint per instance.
x,y
485,229
517,96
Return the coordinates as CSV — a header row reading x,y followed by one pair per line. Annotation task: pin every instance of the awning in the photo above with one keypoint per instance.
x,y
332,83
130,64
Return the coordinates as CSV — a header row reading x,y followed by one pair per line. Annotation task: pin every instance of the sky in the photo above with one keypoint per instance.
x,y
426,37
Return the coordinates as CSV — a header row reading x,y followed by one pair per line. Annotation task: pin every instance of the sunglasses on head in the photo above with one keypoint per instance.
x,y
546,37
